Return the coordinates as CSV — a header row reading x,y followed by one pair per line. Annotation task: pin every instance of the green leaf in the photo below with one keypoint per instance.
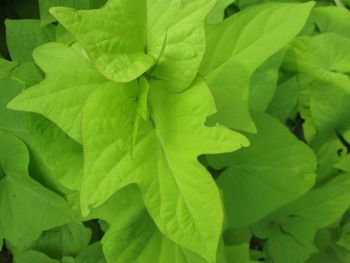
x,y
24,35
238,46
51,142
171,32
27,73
327,148
344,240
217,14
344,164
165,153
266,175
178,26
91,254
333,19
238,253
290,231
10,120
33,256
330,108
263,83
285,99
70,79
35,208
5,67
45,5
115,43
67,240
133,236
323,57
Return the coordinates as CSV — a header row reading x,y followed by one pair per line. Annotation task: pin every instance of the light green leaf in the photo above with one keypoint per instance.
x,y
115,43
324,57
266,175
290,231
45,5
67,240
285,99
217,14
164,156
64,36
34,207
31,256
171,32
133,236
238,46
176,38
24,35
250,38
263,83
333,19
70,79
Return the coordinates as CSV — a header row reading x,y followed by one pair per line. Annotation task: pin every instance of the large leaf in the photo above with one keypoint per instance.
x,y
70,79
34,208
115,43
238,46
266,175
290,231
171,32
163,161
133,237
323,57
23,36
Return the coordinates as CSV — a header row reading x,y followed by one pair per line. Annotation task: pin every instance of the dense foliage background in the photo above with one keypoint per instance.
x,y
174,131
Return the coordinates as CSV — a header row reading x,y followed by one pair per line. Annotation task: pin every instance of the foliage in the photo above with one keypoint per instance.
x,y
175,131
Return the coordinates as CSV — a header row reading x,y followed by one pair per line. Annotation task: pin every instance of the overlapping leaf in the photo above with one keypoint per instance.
x,y
70,79
34,208
235,49
169,33
266,175
290,231
163,161
323,57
